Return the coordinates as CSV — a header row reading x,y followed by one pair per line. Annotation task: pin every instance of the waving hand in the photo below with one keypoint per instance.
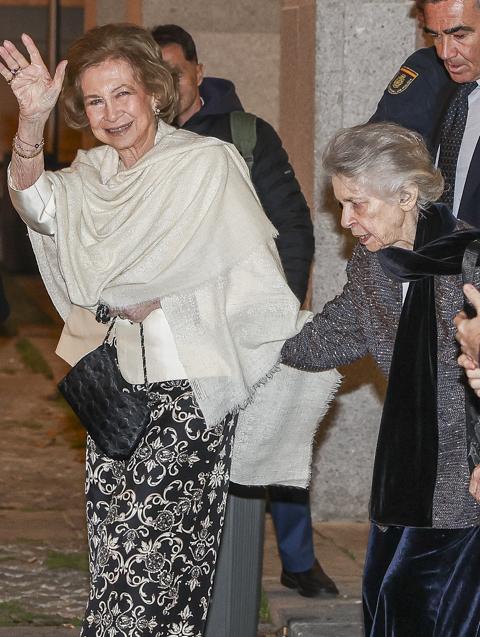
x,y
36,91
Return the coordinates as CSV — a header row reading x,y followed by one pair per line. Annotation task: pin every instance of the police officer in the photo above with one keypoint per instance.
x,y
417,95
436,92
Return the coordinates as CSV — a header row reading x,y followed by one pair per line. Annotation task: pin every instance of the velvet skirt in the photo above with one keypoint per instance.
x,y
422,582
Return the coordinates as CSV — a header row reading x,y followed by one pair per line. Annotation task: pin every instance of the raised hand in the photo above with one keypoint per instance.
x,y
36,91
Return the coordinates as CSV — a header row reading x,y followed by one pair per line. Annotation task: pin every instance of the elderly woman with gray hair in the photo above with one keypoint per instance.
x,y
403,290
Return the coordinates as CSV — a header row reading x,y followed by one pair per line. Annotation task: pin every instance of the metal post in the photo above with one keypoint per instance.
x,y
235,604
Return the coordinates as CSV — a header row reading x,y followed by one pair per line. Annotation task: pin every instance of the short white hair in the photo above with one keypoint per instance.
x,y
385,159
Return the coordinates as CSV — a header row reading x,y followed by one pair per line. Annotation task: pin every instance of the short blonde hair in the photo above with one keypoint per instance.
x,y
384,158
123,42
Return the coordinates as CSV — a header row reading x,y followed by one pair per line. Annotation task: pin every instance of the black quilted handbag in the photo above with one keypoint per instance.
x,y
114,412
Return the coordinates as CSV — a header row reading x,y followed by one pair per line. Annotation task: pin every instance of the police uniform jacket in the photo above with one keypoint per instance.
x,y
417,98
418,95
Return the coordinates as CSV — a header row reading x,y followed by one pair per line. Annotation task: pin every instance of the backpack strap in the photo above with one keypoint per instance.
x,y
243,127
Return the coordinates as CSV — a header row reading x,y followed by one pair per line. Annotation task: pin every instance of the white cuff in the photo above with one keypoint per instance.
x,y
36,204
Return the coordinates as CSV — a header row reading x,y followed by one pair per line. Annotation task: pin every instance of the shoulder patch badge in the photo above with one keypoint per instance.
x,y
402,80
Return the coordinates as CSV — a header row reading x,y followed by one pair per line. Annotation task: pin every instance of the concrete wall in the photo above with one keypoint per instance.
x,y
359,46
297,88
236,40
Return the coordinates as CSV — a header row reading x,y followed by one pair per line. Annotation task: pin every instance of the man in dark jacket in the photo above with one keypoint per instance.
x,y
437,93
204,108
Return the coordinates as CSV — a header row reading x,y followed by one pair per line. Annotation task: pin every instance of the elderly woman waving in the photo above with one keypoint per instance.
x,y
404,288
158,232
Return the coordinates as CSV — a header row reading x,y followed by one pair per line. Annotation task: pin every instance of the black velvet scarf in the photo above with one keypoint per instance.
x,y
405,467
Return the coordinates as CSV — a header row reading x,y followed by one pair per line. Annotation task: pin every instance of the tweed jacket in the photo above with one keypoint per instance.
x,y
362,320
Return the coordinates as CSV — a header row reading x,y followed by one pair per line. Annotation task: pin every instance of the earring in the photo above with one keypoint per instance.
x,y
156,109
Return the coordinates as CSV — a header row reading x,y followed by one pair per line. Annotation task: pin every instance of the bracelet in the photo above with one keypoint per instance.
x,y
40,143
21,152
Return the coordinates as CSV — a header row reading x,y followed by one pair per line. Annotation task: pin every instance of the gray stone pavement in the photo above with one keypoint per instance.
x,y
340,547
58,595
28,579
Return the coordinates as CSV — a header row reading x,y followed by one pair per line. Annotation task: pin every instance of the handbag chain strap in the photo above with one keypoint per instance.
x,y
142,344
110,328
144,360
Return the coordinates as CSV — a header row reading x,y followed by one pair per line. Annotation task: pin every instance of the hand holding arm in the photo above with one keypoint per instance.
x,y
37,93
335,336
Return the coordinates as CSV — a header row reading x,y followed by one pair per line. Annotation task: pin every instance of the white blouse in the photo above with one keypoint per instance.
x,y
82,333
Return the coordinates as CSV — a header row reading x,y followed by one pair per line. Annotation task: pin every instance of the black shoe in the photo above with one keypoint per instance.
x,y
311,583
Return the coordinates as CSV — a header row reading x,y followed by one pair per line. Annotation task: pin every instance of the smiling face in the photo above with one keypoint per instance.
x,y
119,111
455,28
376,223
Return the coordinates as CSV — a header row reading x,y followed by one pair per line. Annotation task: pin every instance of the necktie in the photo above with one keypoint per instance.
x,y
451,136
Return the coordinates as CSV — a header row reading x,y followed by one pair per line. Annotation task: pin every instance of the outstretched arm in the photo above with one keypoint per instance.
x,y
335,336
37,93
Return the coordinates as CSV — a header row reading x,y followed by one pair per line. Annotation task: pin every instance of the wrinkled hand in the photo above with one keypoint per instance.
x,y
31,83
474,487
136,313
468,330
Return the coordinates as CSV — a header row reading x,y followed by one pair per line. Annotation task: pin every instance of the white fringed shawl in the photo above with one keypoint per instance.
x,y
183,225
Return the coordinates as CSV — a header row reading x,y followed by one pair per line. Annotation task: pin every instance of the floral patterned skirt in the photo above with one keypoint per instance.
x,y
155,522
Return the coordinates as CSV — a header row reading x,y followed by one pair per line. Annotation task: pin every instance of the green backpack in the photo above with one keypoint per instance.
x,y
243,127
